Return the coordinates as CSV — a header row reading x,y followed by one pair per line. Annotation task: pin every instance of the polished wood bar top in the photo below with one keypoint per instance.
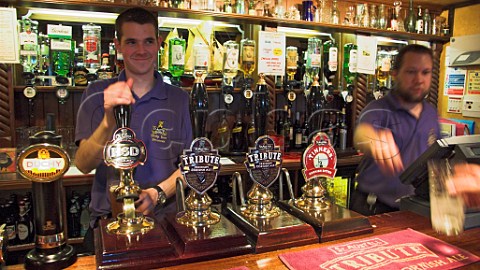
x,y
385,223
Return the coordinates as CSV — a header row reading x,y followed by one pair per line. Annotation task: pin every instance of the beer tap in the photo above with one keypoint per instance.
x,y
124,153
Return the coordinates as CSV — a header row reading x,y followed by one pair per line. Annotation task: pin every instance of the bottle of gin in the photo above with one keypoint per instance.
x,y
349,68
230,61
28,39
176,57
313,59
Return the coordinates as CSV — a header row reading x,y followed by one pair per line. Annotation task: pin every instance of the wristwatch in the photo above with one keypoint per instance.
x,y
162,197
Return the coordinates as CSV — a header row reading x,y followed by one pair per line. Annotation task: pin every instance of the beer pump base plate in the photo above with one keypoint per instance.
x,y
38,260
138,251
198,243
267,234
333,223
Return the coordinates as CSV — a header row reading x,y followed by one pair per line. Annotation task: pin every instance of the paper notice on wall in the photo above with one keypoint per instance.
x,y
454,104
271,53
366,54
473,82
454,82
9,50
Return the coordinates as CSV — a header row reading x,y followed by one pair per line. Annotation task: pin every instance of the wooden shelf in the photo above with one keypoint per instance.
x,y
232,18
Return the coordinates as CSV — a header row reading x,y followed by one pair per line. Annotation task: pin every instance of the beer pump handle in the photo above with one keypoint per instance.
x,y
122,115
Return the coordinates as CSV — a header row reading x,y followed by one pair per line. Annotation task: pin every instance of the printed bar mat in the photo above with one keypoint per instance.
x,y
406,249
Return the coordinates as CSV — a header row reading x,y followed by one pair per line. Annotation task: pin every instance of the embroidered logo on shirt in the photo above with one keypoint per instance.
x,y
159,133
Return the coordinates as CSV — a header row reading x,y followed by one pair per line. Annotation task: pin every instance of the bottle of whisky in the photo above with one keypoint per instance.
x,y
198,106
176,57
230,61
238,141
291,63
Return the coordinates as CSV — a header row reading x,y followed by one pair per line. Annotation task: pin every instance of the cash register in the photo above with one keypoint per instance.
x,y
460,148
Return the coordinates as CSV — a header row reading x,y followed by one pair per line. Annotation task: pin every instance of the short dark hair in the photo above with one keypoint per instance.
x,y
137,15
413,48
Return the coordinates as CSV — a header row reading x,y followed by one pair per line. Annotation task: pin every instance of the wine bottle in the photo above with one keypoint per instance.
x,y
198,106
411,19
297,132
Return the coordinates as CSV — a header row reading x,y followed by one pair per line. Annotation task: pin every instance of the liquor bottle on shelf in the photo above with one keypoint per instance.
x,y
292,62
262,105
382,17
427,22
419,24
92,46
330,64
342,131
198,106
176,57
105,71
251,132
230,62
411,19
44,55
287,130
28,39
399,16
335,18
305,131
313,60
349,70
384,63
223,135
238,140
23,224
393,20
297,132
201,59
246,64
315,106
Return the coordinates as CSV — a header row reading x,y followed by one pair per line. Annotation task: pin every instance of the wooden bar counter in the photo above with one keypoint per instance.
x,y
385,223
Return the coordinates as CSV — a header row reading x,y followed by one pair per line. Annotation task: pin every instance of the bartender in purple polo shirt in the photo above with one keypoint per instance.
x,y
160,118
393,132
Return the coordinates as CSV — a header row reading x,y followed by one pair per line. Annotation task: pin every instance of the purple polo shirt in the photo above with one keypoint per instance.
x,y
160,118
412,136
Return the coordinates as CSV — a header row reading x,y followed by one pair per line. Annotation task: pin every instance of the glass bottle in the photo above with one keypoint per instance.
x,y
28,39
92,46
315,105
397,10
427,22
330,62
201,59
411,19
292,59
373,16
23,224
44,55
223,135
382,17
105,71
364,19
384,64
335,19
230,61
349,63
419,24
262,105
238,141
62,56
176,56
248,59
314,59
198,106
393,20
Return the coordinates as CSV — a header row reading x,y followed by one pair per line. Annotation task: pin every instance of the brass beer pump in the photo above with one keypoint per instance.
x,y
124,153
330,221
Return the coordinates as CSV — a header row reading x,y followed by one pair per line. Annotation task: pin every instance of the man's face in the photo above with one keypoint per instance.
x,y
139,46
414,77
